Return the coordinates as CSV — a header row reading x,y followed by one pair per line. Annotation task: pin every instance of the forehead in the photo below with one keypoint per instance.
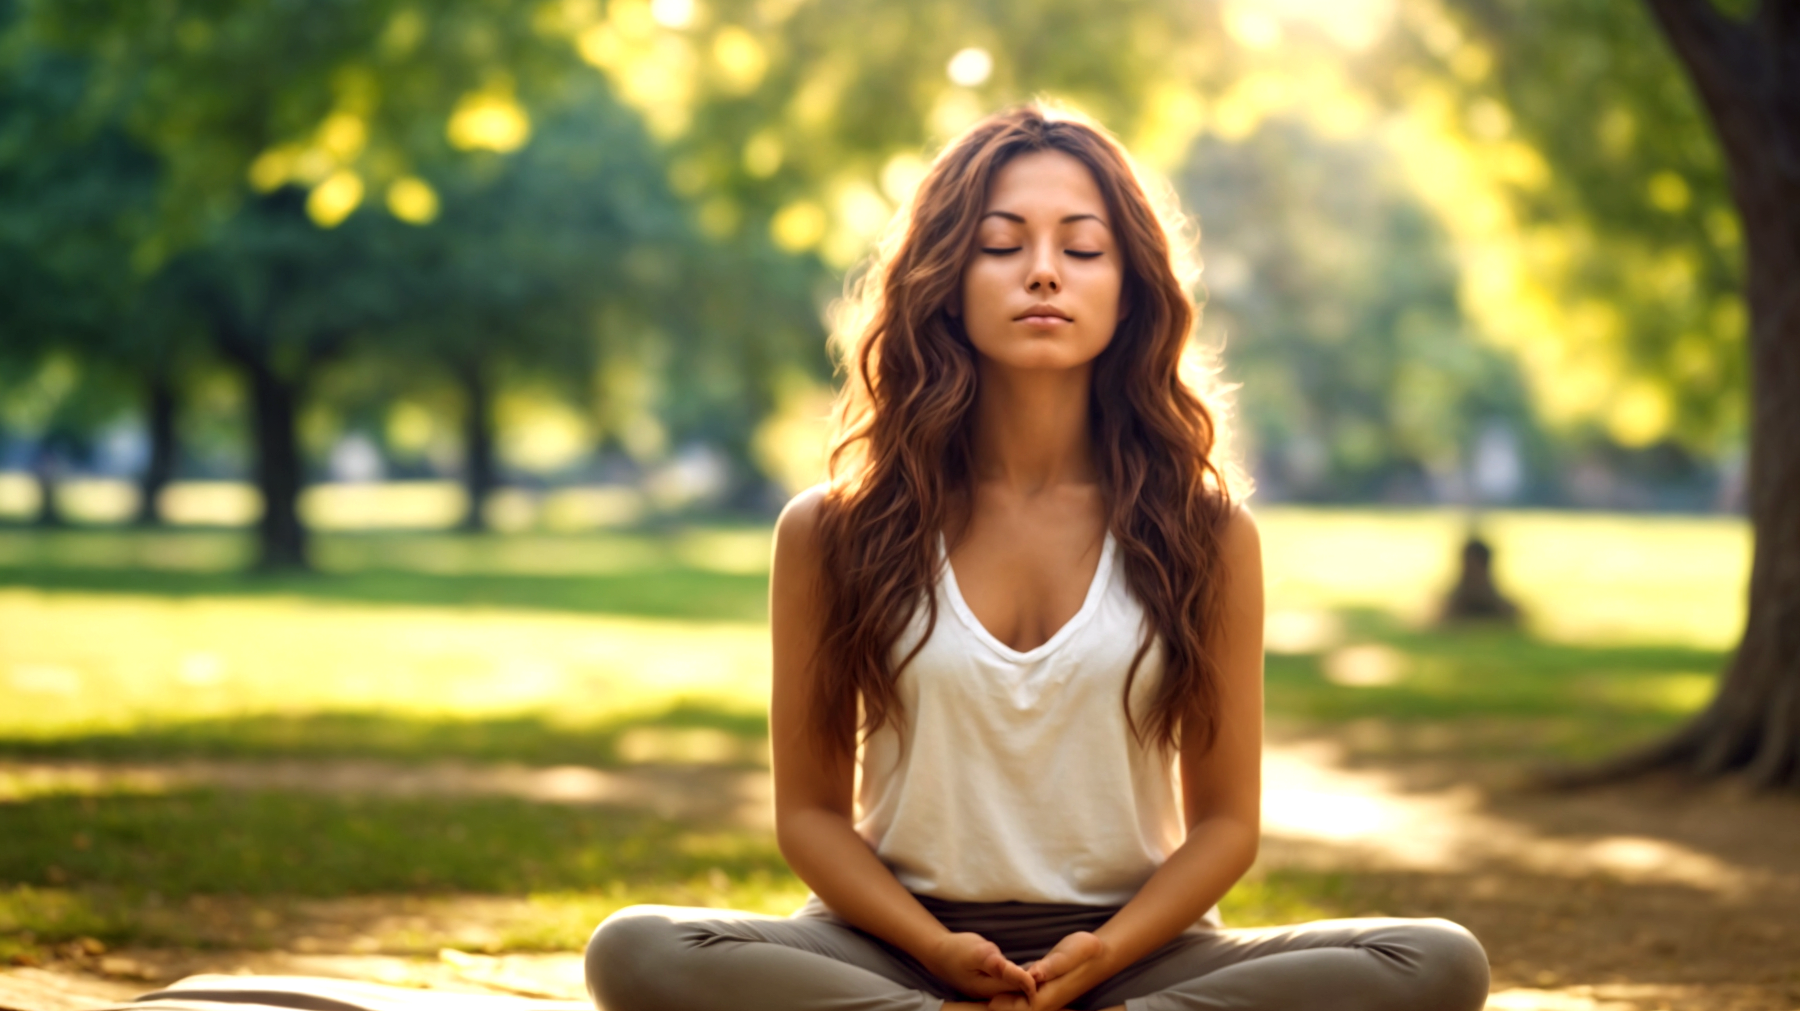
x,y
1045,184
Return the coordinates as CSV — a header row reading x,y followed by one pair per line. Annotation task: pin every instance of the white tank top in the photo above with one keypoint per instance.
x,y
1014,775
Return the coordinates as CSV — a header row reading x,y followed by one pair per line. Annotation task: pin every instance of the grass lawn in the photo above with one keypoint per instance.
x,y
620,649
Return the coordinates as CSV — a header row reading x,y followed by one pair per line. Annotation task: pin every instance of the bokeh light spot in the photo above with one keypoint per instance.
x,y
740,59
799,226
273,168
970,67
901,175
412,200
673,13
1252,27
1669,192
763,154
489,120
333,200
343,134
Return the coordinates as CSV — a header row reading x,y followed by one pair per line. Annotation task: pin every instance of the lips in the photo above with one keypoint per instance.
x,y
1043,314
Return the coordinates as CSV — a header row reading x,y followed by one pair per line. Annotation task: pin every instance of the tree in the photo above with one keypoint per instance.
x,y
238,98
1748,75
272,122
74,189
806,122
528,255
1688,192
1334,294
279,298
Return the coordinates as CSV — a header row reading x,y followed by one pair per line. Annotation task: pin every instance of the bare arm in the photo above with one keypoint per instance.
x,y
813,802
1221,794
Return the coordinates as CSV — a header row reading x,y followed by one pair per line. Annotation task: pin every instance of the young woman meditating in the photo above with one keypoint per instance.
x,y
1017,713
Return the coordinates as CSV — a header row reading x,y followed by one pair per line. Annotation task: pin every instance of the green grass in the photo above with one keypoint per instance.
x,y
1514,695
709,574
534,739
265,843
614,648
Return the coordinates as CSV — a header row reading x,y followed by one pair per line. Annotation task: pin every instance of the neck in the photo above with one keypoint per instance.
x,y
1031,427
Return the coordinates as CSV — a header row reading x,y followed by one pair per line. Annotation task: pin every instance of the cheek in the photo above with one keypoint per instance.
x,y
1106,294
982,286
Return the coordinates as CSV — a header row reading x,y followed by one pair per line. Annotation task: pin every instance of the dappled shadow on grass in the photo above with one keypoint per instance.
x,y
735,738
1491,691
267,843
656,593
212,869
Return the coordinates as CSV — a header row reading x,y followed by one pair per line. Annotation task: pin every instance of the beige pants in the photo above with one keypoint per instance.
x,y
665,958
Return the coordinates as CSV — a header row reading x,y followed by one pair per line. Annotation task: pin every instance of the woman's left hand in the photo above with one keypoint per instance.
x,y
1076,965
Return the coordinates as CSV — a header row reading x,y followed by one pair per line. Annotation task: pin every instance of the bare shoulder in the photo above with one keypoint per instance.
x,y
796,532
1239,539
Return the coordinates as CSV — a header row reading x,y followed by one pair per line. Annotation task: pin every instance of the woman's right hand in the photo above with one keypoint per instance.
x,y
974,966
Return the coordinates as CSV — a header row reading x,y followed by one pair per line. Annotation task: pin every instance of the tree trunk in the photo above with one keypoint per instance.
x,y
160,420
1748,74
46,467
479,475
275,405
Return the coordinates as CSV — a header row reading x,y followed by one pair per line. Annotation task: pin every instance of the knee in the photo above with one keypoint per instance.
x,y
1453,966
624,956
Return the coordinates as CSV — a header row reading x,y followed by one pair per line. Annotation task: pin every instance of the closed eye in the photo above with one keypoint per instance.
x,y
1084,254
1000,250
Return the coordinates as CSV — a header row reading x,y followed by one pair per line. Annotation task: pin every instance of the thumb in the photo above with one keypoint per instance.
x,y
1050,966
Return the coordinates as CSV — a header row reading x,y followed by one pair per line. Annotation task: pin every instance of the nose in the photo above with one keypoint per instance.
x,y
1043,278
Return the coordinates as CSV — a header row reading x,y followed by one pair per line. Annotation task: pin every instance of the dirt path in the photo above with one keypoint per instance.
x,y
1639,898
1632,898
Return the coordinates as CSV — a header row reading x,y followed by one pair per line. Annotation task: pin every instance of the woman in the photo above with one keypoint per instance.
x,y
1029,595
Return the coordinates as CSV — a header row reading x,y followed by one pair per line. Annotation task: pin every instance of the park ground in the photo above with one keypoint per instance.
x,y
442,759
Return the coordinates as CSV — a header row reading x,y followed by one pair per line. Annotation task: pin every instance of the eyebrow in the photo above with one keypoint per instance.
x,y
1010,216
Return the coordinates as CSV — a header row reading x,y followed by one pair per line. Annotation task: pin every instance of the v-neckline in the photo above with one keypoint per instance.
x,y
1096,588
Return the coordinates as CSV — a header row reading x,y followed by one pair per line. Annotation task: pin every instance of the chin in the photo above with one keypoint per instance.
x,y
1042,356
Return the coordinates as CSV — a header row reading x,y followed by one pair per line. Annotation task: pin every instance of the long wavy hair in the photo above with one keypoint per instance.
x,y
901,455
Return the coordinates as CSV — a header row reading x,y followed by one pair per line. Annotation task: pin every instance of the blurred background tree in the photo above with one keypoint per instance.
x,y
81,337
1333,292
270,125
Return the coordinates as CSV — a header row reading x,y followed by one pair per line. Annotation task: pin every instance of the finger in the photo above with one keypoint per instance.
x,y
1009,1002
1023,980
1053,997
999,967
1050,966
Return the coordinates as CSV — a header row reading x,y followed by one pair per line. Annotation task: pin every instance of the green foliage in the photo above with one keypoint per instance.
x,y
802,107
1334,295
211,87
1655,255
575,192
75,320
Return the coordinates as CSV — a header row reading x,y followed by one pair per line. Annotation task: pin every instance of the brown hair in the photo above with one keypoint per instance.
x,y
901,458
